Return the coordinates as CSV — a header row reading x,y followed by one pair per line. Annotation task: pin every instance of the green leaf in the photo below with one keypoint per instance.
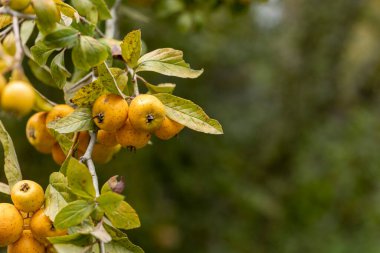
x,y
189,114
79,120
102,8
58,70
64,36
107,79
86,9
109,198
67,10
41,74
76,239
167,61
4,188
71,248
73,214
79,179
58,181
41,52
26,30
89,53
54,202
131,48
47,14
119,212
160,88
11,165
120,242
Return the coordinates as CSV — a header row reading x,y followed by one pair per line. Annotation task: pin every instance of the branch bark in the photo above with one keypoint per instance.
x,y
111,23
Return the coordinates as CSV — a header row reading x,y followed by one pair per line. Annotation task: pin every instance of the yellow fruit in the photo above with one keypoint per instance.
x,y
43,227
83,140
29,10
110,112
27,196
9,44
129,137
37,133
50,249
17,5
11,224
146,113
58,156
18,98
102,154
168,129
3,82
26,244
107,138
58,112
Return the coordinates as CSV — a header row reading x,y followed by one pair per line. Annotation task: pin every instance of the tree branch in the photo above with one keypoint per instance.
x,y
111,23
87,157
7,11
19,50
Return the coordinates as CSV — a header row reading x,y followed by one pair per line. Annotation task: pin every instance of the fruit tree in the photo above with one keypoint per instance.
x,y
69,45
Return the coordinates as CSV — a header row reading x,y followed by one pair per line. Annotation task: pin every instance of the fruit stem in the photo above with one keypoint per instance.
x,y
111,23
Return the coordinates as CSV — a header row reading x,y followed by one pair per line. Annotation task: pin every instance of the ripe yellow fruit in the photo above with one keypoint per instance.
x,y
9,44
27,196
168,129
58,112
37,133
3,82
11,224
110,112
43,227
17,5
107,138
102,154
58,156
83,140
26,244
29,10
18,98
146,113
129,137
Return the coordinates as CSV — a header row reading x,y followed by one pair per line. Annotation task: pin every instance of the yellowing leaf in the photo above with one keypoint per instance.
x,y
87,95
5,20
131,48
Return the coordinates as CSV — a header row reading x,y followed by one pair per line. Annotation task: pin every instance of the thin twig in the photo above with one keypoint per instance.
x,y
80,83
7,11
111,23
19,49
6,31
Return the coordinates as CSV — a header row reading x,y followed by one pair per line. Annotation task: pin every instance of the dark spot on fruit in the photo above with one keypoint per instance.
x,y
32,133
24,187
149,118
100,117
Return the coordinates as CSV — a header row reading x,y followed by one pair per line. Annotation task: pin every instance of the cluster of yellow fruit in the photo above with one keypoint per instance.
x,y
121,125
17,97
43,139
23,226
132,125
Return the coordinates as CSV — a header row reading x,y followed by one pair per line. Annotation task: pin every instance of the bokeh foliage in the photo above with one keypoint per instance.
x,y
296,86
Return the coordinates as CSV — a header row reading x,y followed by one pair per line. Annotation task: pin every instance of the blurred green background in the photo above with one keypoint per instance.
x,y
295,85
